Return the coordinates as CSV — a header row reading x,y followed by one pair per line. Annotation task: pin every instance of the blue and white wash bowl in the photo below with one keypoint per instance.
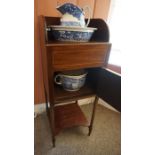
x,y
71,82
73,34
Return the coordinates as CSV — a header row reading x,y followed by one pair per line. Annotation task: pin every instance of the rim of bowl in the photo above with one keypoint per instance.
x,y
75,76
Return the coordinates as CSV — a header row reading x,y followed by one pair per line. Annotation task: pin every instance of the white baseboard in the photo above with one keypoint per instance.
x,y
40,108
103,103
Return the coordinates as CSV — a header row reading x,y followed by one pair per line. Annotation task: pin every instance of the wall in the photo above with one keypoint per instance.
x,y
99,8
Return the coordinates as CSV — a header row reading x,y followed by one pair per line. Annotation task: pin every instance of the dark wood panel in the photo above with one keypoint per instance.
x,y
109,88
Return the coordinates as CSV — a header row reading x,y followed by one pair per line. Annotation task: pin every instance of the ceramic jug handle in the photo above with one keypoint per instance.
x,y
89,13
56,81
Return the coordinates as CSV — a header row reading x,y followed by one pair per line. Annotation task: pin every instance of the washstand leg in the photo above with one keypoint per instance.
x,y
93,115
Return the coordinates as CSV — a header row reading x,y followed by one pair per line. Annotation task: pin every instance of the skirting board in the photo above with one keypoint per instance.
x,y
40,108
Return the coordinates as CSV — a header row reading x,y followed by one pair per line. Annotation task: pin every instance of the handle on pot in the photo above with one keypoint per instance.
x,y
56,79
89,13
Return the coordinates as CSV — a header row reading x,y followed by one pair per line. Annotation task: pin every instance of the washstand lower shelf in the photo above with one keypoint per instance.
x,y
69,115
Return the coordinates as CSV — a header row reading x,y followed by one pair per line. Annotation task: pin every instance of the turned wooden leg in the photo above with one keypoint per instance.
x,y
52,124
93,115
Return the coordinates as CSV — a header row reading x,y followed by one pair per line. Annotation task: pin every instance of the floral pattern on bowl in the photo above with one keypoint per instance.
x,y
73,34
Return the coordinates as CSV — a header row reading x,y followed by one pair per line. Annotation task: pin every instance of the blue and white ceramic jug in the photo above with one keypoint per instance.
x,y
73,15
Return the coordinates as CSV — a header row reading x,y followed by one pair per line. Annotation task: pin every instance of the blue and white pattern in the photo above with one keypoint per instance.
x,y
73,27
62,35
71,9
72,84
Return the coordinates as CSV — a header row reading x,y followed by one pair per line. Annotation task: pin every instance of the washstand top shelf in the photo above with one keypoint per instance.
x,y
63,43
100,35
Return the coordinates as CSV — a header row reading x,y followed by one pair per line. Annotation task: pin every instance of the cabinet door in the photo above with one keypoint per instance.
x,y
109,88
